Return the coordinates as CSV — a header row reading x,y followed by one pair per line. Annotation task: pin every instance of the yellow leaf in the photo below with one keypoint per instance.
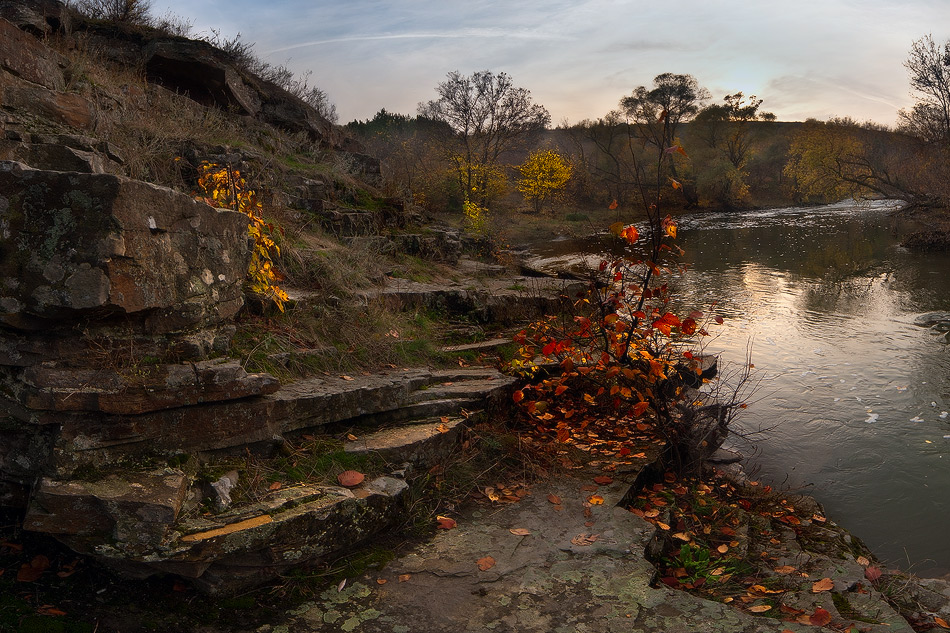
x,y
595,500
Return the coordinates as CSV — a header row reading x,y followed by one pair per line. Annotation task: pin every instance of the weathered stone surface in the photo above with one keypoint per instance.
x,y
136,509
39,17
136,389
60,107
79,245
23,56
60,152
422,443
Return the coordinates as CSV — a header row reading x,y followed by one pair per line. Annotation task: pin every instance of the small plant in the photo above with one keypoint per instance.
x,y
222,186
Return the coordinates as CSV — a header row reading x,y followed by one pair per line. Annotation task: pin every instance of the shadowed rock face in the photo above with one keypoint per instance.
x,y
80,245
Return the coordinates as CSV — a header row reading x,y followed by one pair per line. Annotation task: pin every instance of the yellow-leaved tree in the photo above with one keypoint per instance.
x,y
543,175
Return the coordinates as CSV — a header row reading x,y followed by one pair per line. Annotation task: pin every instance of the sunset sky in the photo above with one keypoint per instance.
x,y
807,58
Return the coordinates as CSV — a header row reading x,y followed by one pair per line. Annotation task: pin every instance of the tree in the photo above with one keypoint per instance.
x,y
657,112
543,174
487,114
929,68
725,128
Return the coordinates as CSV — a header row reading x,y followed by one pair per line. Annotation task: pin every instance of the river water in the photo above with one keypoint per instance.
x,y
852,400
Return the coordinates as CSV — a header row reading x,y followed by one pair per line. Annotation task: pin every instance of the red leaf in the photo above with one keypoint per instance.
x,y
719,320
640,408
613,205
820,617
872,573
445,523
548,349
350,478
603,480
517,396
553,498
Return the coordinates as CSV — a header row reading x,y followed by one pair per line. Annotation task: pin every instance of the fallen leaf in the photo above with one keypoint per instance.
x,y
820,617
346,377
941,623
486,563
48,609
682,536
662,526
589,488
445,523
863,561
404,577
825,584
585,539
553,498
274,486
351,437
520,531
603,480
350,478
722,549
761,608
31,572
381,581
872,573
595,500
442,428
784,570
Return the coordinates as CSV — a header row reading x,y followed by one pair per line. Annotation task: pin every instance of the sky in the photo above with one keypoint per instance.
x,y
804,58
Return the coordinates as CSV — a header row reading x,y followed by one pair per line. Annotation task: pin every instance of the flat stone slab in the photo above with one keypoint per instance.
x,y
423,443
481,346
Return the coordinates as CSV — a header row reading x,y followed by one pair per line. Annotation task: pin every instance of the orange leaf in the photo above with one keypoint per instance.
x,y
48,609
517,396
761,608
820,617
784,569
350,478
553,498
603,480
381,581
520,531
722,549
640,408
404,577
825,584
274,486
941,623
486,563
595,500
559,390
613,205
445,523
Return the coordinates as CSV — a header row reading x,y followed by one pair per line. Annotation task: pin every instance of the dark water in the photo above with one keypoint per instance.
x,y
852,405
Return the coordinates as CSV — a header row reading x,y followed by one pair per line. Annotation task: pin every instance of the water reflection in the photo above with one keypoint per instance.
x,y
852,392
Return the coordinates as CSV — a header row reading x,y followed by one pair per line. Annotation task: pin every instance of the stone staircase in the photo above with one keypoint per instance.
x,y
143,521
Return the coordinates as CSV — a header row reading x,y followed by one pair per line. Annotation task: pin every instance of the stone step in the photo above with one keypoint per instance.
x,y
422,443
481,346
131,522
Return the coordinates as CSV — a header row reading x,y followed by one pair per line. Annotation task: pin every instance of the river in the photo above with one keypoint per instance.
x,y
852,401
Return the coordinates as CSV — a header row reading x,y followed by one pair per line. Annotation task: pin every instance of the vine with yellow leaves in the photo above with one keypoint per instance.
x,y
224,187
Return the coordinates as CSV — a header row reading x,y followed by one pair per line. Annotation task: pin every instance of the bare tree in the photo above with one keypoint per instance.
x,y
487,114
127,11
929,68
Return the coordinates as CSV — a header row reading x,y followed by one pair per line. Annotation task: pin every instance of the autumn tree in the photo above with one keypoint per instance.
x,y
726,128
543,174
657,112
486,115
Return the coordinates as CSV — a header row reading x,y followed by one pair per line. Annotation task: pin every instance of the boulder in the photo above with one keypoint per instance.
x,y
78,246
39,17
202,72
27,58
